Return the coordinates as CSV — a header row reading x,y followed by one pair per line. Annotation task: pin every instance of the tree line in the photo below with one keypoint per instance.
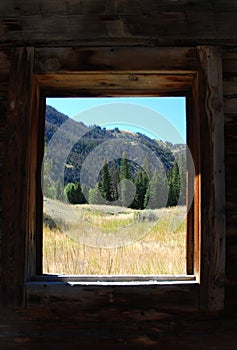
x,y
123,183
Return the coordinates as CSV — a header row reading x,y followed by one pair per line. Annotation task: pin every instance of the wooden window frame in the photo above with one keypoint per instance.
x,y
45,72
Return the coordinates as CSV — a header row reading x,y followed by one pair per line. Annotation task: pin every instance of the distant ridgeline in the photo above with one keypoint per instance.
x,y
150,189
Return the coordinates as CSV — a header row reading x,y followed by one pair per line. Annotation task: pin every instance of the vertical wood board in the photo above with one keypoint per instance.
x,y
212,179
16,180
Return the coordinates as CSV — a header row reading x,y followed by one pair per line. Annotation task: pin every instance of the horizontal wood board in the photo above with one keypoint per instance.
x,y
161,23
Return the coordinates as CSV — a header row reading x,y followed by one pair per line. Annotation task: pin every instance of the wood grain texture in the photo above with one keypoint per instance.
x,y
212,180
15,181
59,60
91,296
163,23
4,77
230,108
111,84
57,326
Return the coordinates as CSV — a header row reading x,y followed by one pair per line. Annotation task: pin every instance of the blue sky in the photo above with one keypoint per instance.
x,y
149,115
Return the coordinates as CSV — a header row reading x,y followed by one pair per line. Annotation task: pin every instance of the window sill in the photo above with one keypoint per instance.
x,y
164,292
113,280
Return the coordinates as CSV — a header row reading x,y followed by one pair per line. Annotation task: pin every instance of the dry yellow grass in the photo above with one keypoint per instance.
x,y
162,251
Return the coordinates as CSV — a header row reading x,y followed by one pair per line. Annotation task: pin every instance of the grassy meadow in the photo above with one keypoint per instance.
x,y
101,240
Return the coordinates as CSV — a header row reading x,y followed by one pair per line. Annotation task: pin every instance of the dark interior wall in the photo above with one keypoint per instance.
x,y
133,23
154,23
4,75
230,108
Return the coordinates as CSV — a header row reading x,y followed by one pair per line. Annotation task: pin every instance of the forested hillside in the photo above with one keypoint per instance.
x,y
150,188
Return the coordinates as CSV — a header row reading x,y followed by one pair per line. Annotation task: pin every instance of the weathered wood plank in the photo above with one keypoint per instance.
x,y
165,23
159,23
229,86
230,62
212,180
3,114
230,104
4,73
4,64
4,76
99,84
17,165
91,296
231,194
127,339
230,150
59,60
26,7
116,329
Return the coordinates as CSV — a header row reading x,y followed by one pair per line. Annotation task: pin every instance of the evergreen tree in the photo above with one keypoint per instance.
x,y
174,185
141,183
125,174
147,197
147,165
125,171
114,171
79,197
106,184
182,171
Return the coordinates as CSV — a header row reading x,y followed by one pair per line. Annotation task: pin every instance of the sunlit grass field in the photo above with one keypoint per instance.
x,y
156,243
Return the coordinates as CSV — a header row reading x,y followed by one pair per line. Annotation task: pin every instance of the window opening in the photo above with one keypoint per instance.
x,y
114,185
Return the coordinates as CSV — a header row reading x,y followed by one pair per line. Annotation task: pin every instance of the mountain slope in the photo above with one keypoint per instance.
x,y
90,138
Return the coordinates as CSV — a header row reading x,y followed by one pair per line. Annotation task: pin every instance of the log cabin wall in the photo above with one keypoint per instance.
x,y
95,23
230,108
4,75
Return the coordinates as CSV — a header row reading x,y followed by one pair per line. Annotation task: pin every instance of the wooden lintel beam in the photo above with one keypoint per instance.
x,y
109,84
58,60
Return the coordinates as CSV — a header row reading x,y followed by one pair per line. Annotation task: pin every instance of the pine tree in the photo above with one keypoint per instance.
x,y
141,183
182,171
147,178
147,197
114,172
106,184
125,171
147,165
125,174
174,185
